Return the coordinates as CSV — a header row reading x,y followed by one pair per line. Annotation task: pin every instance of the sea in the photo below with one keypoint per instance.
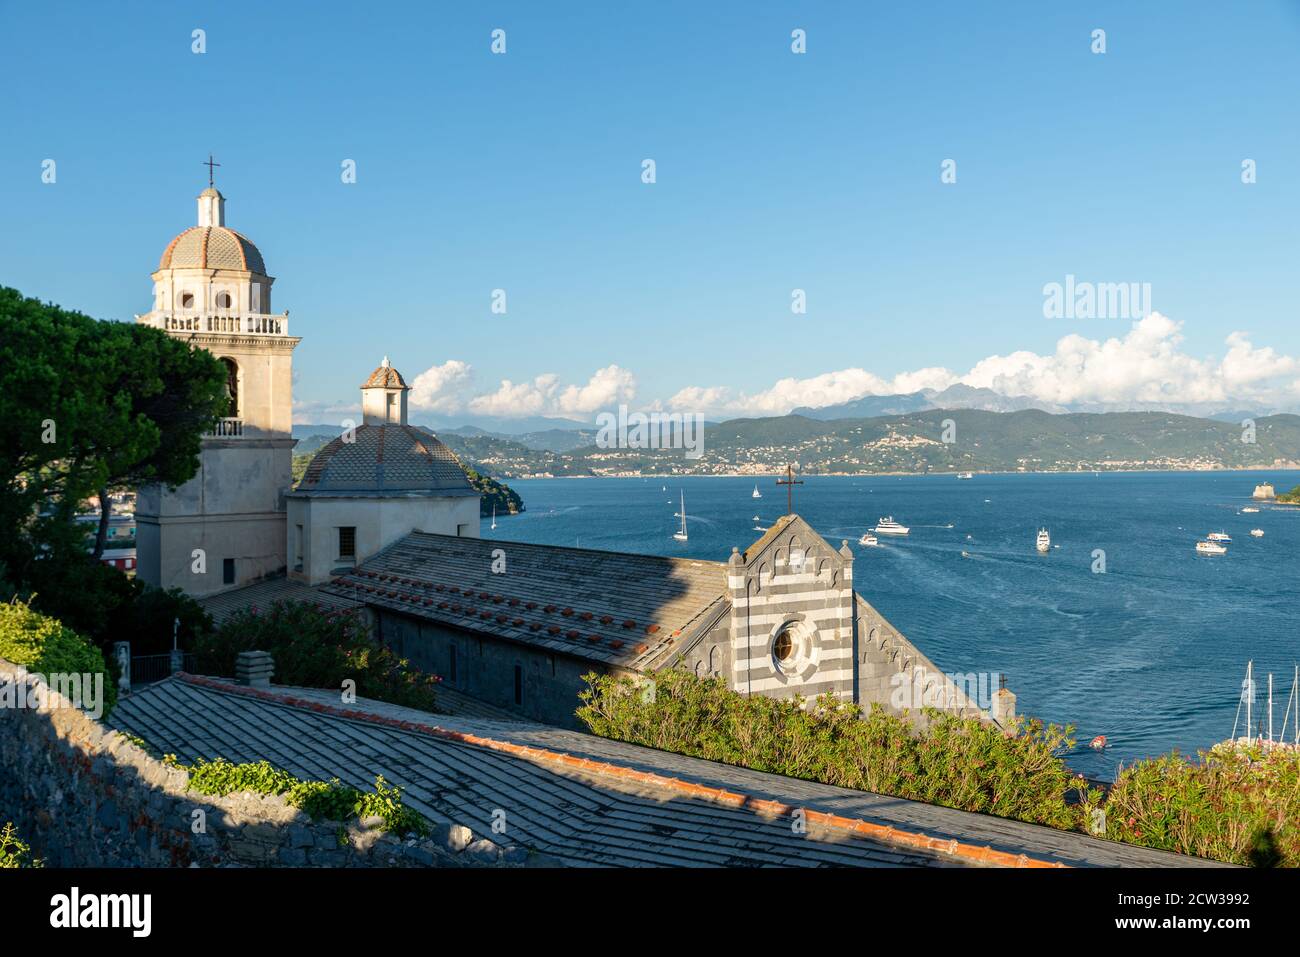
x,y
1121,630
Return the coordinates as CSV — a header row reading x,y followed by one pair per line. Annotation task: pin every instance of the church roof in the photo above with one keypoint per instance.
x,y
385,377
614,607
384,460
212,247
588,800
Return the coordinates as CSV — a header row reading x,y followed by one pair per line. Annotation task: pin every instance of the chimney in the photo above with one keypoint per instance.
x,y
253,669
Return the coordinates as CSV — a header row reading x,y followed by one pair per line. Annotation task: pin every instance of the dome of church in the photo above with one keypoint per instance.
x,y
385,460
384,377
212,247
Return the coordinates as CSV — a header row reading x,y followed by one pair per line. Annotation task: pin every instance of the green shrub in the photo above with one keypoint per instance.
x,y
220,777
1240,805
13,852
320,800
959,763
42,644
317,647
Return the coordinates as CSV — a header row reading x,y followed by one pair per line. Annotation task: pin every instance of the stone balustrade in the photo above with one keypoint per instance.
x,y
246,324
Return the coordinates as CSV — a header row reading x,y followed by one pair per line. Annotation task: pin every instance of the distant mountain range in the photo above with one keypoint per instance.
x,y
567,435
930,440
969,397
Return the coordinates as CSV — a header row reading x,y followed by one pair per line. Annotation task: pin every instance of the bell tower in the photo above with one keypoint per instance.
x,y
225,527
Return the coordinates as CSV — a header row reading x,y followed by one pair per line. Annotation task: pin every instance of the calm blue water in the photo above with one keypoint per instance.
x,y
1152,653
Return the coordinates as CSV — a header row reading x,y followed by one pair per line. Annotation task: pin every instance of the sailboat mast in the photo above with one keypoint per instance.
x,y
1250,694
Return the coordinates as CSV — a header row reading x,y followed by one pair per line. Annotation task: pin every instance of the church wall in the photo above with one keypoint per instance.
x,y
893,673
485,667
232,508
797,586
711,654
379,523
256,543
265,380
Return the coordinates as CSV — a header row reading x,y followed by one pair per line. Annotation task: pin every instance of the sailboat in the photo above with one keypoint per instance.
x,y
1292,711
681,535
494,516
757,493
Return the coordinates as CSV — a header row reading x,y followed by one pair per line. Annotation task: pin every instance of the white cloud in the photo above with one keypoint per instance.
x,y
545,395
442,388
1144,366
829,388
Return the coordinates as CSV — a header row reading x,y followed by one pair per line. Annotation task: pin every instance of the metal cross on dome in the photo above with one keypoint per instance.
x,y
790,482
210,164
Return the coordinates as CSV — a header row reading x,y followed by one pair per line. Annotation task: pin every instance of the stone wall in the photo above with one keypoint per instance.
x,y
485,668
84,795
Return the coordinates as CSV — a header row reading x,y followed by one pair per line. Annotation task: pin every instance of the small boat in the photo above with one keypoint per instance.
x,y
965,554
681,535
887,526
757,493
1218,537
494,516
868,539
965,476
1250,510
756,519
759,528
1257,533
1098,743
1044,542
1210,548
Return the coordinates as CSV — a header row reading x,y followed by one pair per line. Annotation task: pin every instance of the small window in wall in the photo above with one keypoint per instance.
x,y
227,571
451,664
223,300
348,541
187,301
462,531
519,684
298,550
783,648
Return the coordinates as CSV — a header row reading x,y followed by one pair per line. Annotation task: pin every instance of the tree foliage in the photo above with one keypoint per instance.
x,y
86,407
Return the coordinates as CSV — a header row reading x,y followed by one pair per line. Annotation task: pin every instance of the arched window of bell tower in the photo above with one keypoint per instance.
x,y
187,300
232,386
223,300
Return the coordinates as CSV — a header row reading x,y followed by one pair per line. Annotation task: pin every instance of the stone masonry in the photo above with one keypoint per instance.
x,y
86,796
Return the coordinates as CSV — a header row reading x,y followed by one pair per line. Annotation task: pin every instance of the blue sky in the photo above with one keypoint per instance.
x,y
775,171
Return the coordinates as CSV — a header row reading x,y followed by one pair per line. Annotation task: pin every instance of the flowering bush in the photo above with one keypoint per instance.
x,y
316,647
958,763
1239,804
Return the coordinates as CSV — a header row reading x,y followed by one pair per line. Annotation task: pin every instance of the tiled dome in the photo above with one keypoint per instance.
x,y
383,461
385,377
212,247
